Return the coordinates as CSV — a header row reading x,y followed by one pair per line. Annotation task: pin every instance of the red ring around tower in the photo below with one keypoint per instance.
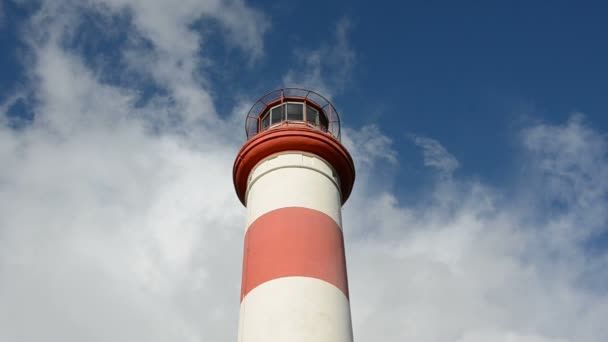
x,y
293,137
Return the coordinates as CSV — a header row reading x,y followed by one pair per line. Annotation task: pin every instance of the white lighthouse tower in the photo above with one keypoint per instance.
x,y
294,175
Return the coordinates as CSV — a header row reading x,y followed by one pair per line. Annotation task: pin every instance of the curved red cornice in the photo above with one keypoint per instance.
x,y
293,138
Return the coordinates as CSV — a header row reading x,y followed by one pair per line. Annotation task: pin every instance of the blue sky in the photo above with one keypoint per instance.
x,y
468,74
478,130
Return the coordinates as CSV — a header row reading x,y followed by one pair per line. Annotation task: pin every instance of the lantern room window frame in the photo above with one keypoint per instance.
x,y
303,113
274,109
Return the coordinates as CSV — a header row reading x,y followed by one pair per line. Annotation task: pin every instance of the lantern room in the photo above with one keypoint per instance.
x,y
294,107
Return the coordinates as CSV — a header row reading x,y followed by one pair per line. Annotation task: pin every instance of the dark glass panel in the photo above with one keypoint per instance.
x,y
312,115
295,111
277,115
323,121
266,121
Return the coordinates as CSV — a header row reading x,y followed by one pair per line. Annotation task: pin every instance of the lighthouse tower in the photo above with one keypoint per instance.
x,y
294,175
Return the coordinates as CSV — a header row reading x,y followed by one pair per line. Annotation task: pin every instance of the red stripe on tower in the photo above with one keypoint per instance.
x,y
291,242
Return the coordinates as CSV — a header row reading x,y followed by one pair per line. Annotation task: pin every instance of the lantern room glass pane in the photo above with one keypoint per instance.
x,y
312,115
295,111
266,121
323,121
277,115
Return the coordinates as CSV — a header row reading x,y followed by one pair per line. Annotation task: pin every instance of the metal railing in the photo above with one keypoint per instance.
x,y
308,97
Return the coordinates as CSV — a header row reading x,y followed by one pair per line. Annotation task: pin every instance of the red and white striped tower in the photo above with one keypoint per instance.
x,y
293,175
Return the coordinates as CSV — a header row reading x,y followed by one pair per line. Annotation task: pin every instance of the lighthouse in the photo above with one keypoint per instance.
x,y
293,175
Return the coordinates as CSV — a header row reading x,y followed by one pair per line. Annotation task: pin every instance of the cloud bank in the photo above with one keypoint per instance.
x,y
118,221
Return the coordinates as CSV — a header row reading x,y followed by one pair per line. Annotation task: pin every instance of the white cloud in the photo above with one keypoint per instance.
x,y
167,25
508,337
370,145
474,263
574,162
328,68
435,155
111,225
163,45
117,226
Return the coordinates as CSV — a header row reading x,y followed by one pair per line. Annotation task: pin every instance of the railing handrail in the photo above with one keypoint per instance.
x,y
284,95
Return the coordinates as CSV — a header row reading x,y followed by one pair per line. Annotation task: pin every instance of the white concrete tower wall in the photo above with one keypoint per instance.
x,y
295,179
294,273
